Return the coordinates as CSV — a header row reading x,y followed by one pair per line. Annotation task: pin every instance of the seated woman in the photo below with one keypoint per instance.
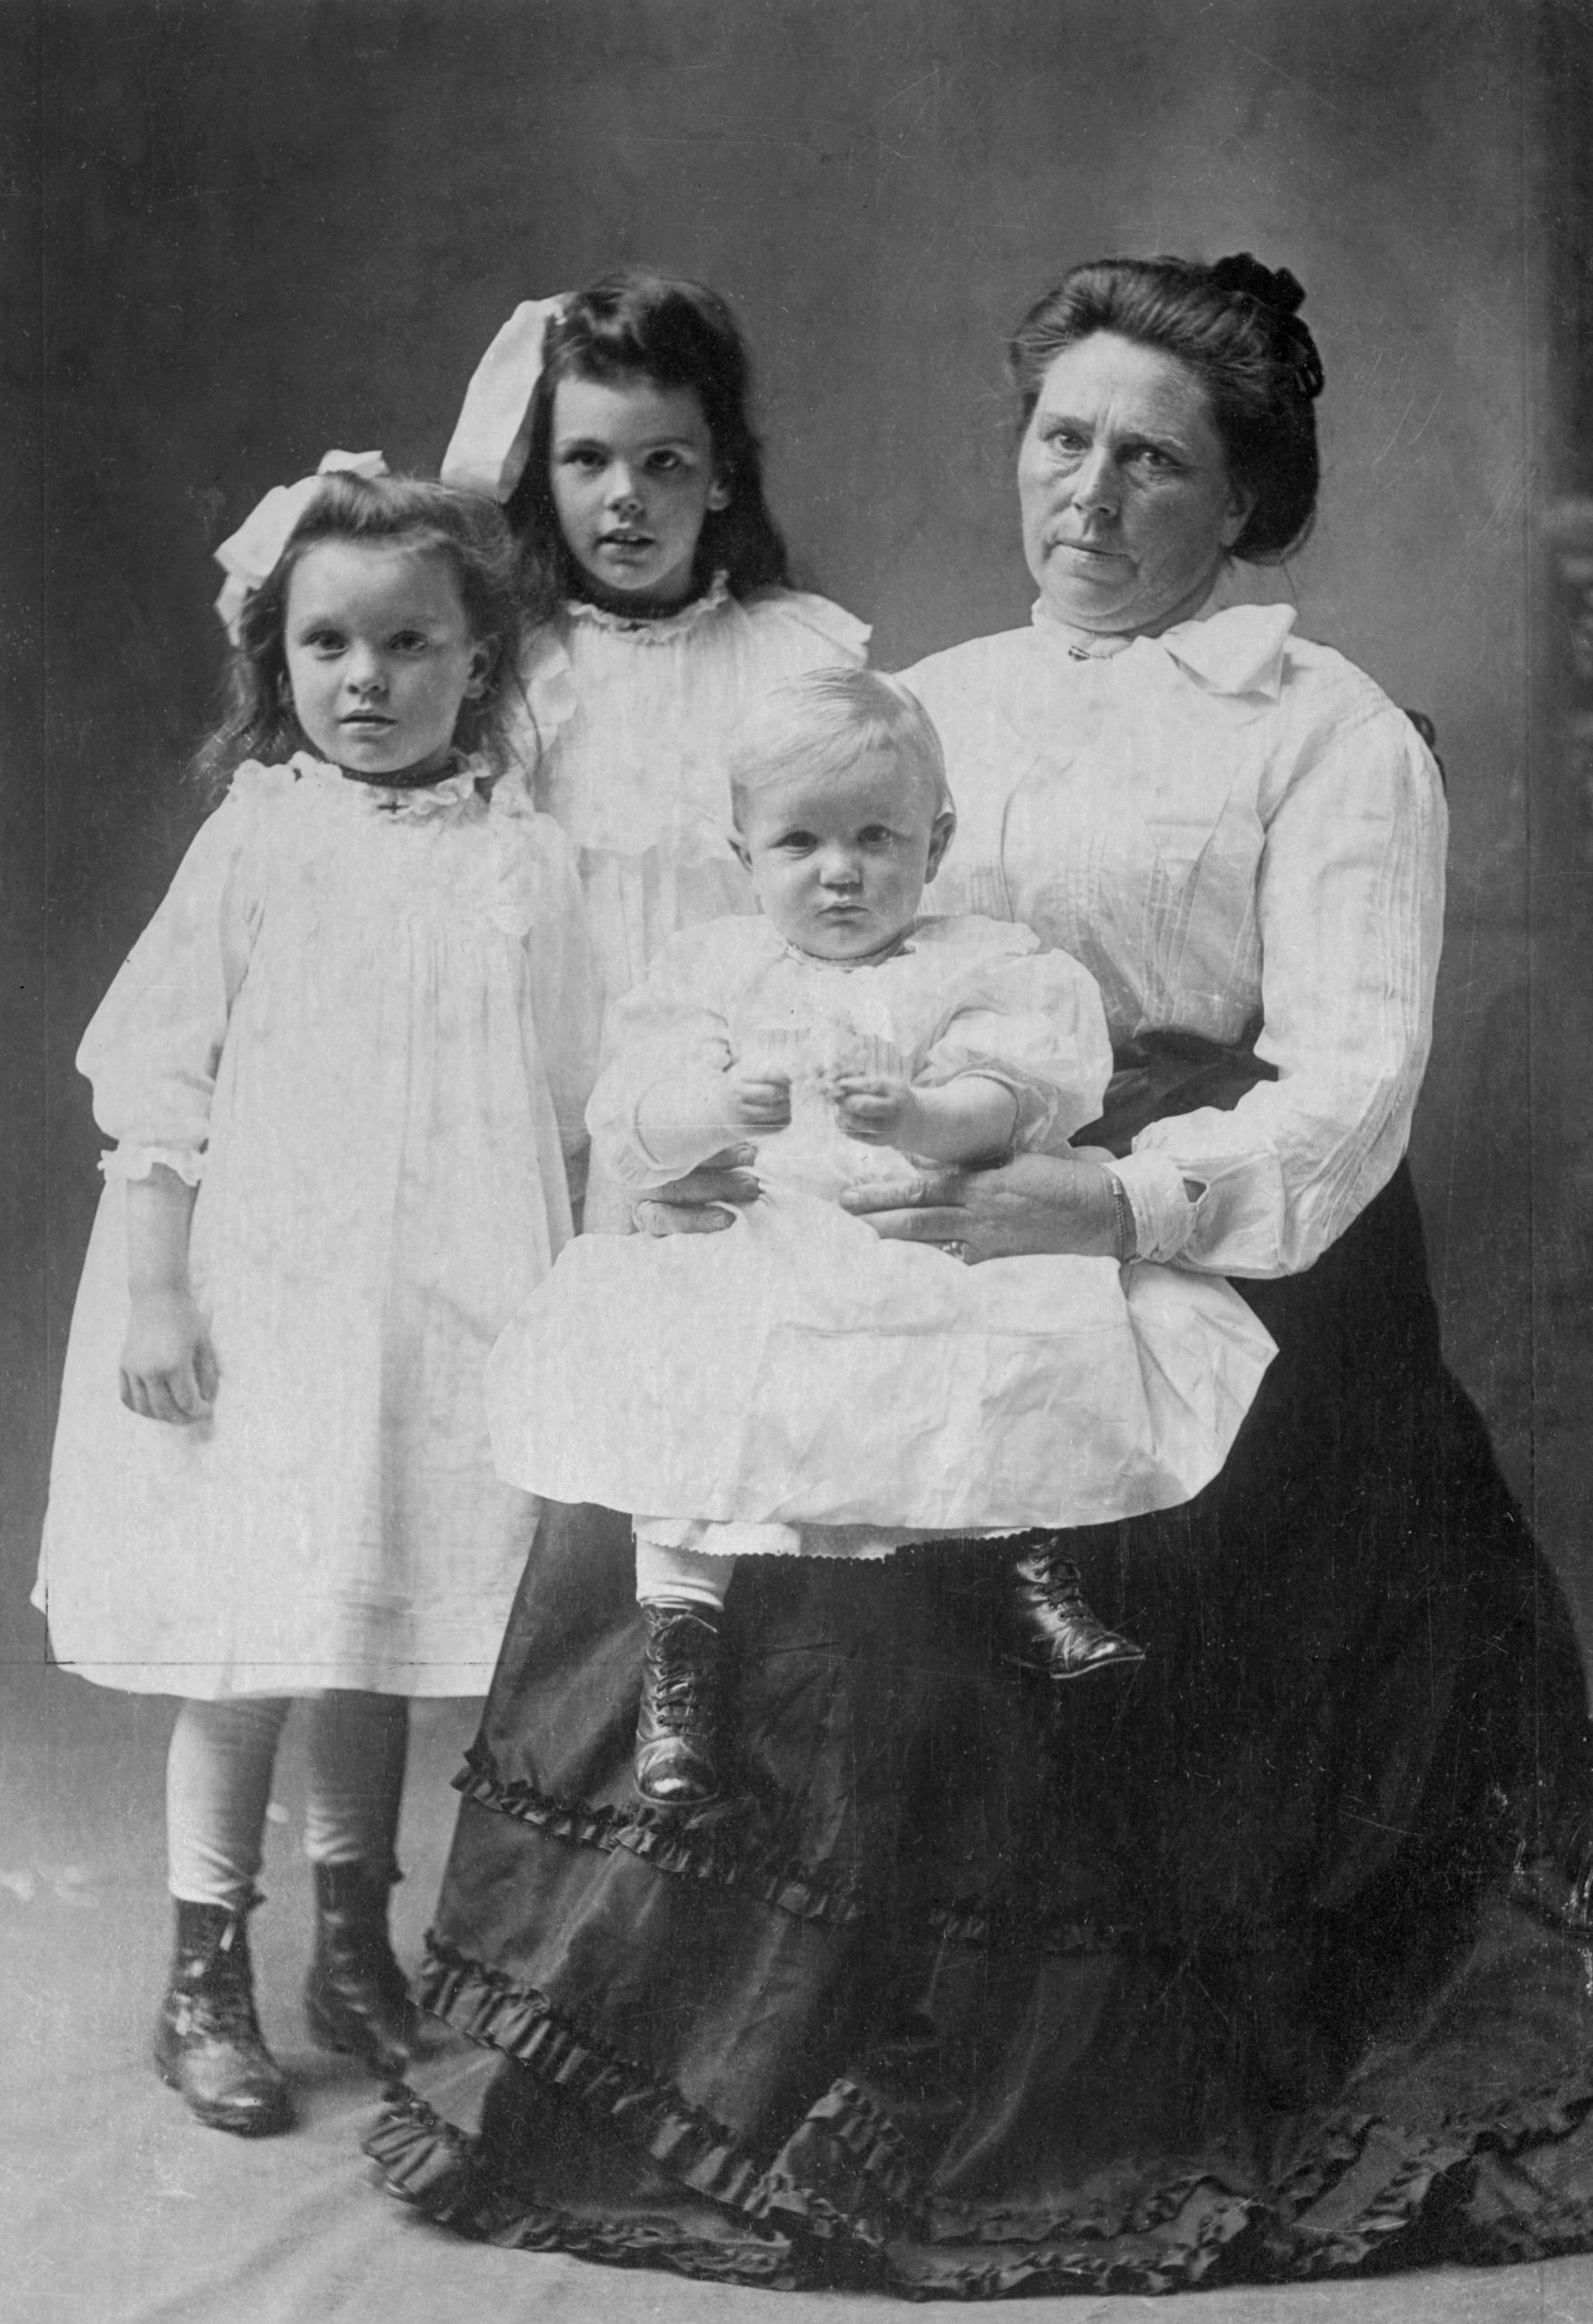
x,y
1269,1962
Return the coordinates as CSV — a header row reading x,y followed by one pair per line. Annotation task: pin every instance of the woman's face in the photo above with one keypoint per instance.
x,y
1123,482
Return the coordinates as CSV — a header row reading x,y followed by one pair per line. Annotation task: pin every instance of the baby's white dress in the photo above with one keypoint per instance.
x,y
622,731
796,1372
362,1022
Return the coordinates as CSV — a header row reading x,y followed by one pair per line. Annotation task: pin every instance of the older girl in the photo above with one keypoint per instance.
x,y
614,424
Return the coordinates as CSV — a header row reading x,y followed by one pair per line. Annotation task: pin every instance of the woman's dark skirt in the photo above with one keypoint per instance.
x,y
1270,1960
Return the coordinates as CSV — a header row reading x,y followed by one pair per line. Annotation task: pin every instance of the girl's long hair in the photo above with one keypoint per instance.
x,y
675,334
467,531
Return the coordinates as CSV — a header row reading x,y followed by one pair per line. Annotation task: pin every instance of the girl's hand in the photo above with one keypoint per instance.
x,y
878,1109
1035,1203
758,1101
168,1364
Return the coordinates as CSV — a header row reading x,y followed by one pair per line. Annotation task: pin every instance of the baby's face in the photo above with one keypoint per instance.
x,y
840,860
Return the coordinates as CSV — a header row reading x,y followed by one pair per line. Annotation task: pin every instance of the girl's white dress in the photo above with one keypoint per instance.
x,y
622,731
362,1022
795,1371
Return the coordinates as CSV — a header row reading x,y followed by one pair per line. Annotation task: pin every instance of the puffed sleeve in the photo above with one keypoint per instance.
x,y
154,1043
1035,1022
542,700
564,993
664,1028
1350,907
829,634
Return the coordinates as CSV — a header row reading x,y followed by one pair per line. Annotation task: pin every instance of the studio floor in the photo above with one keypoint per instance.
x,y
116,2208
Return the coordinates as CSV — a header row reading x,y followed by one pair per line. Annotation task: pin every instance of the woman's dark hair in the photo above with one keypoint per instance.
x,y
466,530
1236,327
635,325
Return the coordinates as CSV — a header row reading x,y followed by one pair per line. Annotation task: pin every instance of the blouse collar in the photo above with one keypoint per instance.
x,y
653,629
1238,650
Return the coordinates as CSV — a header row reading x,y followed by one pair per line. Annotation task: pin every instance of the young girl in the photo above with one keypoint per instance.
x,y
794,1384
614,425
341,1065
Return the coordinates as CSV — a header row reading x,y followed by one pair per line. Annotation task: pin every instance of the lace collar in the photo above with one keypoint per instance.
x,y
447,796
655,629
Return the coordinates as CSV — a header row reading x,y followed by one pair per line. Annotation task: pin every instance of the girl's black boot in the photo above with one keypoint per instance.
x,y
207,2040
356,1997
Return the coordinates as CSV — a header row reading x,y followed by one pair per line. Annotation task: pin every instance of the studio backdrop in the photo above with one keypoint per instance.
x,y
267,230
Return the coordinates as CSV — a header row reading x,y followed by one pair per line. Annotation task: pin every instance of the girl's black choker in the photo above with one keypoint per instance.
x,y
407,778
634,609
642,612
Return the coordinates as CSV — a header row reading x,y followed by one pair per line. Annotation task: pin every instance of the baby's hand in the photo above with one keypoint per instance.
x,y
168,1364
877,1108
759,1100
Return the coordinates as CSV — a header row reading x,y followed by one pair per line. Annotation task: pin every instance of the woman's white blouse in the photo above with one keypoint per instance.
x,y
622,732
1231,828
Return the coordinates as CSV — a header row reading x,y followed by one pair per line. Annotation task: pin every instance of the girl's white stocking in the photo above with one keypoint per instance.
x,y
217,1786
357,1743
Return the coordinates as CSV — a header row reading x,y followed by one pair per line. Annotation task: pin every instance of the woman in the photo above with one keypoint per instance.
x,y
1266,1962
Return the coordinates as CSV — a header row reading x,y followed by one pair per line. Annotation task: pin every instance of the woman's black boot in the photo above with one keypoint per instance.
x,y
356,1996
679,1746
1062,1634
208,2040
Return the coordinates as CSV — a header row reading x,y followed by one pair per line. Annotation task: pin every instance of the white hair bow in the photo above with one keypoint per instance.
x,y
492,438
249,555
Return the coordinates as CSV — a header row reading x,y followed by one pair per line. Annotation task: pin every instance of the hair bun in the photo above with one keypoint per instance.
x,y
1279,288
1282,294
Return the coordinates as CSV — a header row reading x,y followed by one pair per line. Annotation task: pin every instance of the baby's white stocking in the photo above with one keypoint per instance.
x,y
686,1576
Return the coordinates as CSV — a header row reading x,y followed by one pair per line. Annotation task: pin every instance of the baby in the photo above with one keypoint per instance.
x,y
796,1385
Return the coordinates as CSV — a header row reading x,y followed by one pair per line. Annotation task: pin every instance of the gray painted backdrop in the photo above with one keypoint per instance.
x,y
272,226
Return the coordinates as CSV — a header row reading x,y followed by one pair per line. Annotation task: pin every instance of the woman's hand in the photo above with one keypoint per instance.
x,y
168,1364
1037,1203
696,1204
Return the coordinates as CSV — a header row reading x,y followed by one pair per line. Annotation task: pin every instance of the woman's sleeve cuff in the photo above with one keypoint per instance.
x,y
127,1161
1165,1212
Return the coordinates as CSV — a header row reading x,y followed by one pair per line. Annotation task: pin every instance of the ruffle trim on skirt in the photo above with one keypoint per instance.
x,y
1173,2240
442,2171
1384,2180
522,2024
846,2168
705,1848
718,1849
843,2200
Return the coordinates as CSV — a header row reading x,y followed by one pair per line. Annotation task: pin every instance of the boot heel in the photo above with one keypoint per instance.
x,y
356,2000
323,2028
